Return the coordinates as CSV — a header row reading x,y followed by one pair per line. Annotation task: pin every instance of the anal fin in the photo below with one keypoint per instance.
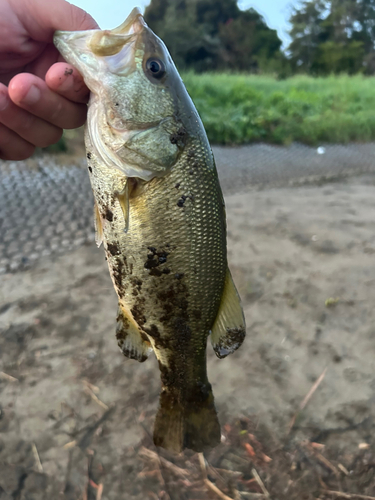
x,y
123,198
229,329
131,339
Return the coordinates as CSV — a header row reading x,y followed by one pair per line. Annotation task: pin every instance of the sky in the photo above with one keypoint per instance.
x,y
111,13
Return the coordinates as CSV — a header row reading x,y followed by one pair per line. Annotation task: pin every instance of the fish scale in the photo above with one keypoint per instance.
x,y
160,214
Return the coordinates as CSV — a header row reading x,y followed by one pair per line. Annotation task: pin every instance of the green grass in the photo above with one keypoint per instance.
x,y
240,109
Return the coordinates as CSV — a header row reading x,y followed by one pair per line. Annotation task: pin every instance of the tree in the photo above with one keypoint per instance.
x,y
213,34
333,36
248,42
307,34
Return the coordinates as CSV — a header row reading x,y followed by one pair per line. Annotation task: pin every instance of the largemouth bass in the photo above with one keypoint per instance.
x,y
160,214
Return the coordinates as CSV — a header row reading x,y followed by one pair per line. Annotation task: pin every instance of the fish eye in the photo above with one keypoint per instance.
x,y
155,67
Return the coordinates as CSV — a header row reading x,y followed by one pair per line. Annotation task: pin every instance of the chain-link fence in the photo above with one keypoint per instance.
x,y
47,208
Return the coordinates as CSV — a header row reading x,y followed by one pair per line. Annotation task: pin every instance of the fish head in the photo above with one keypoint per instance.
x,y
136,97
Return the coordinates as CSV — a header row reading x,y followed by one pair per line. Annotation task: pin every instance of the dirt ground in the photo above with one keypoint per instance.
x,y
76,416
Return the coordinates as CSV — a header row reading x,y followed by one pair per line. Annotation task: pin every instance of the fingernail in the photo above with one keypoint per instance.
x,y
32,96
4,101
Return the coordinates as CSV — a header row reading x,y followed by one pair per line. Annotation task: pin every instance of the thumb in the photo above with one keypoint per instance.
x,y
41,19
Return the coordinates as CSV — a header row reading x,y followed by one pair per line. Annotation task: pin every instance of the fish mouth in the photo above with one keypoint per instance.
x,y
90,50
129,25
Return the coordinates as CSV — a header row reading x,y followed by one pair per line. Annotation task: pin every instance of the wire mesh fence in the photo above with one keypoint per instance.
x,y
47,208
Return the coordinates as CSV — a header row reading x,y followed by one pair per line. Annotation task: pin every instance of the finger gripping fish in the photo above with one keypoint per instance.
x,y
160,214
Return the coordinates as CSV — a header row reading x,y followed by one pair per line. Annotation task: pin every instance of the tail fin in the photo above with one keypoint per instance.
x,y
186,424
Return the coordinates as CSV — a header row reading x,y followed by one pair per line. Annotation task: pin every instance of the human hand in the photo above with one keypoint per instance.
x,y
39,94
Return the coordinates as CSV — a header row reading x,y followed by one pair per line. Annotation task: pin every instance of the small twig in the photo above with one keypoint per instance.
x,y
160,461
327,463
232,473
216,490
151,473
307,398
202,463
221,480
95,398
363,446
207,482
69,445
313,389
251,496
7,377
250,450
99,493
85,440
323,459
260,483
317,446
94,388
37,458
343,469
340,494
151,455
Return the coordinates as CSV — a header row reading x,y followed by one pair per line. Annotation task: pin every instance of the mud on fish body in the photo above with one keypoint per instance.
x,y
160,214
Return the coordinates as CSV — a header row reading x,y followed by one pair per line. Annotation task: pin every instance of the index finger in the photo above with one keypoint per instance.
x,y
65,80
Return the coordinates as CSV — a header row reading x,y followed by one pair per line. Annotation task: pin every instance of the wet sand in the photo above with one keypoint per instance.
x,y
303,260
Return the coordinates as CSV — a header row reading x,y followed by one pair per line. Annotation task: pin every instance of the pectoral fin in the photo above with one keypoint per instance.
x,y
98,226
123,198
131,338
229,328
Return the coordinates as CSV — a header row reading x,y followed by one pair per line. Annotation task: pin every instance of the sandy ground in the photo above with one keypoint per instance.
x,y
75,415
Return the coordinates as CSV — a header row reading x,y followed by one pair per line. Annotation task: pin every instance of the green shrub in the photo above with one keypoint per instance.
x,y
240,109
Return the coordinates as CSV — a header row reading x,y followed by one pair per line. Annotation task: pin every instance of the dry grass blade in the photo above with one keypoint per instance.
x,y
95,398
363,446
307,398
69,445
231,473
7,377
99,493
151,455
350,496
327,463
343,469
207,482
260,483
251,496
37,458
151,473
202,463
85,440
94,388
216,490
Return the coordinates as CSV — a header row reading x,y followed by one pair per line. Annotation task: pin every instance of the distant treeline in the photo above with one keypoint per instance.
x,y
334,36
